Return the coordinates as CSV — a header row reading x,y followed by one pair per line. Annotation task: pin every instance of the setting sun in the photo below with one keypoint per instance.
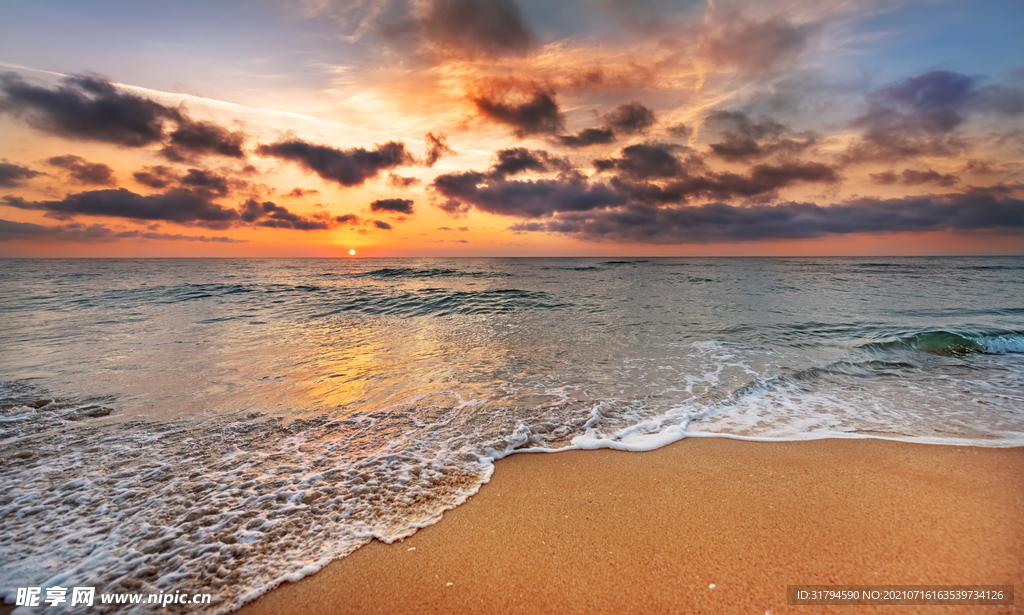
x,y
351,252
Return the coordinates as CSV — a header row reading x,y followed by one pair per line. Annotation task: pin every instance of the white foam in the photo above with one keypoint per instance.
x,y
1002,344
238,508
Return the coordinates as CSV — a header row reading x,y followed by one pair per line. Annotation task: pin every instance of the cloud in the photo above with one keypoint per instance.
x,y
91,108
979,167
178,205
919,116
749,46
87,108
538,113
14,231
301,192
206,182
490,27
158,177
910,177
12,175
202,182
744,139
347,219
646,174
588,137
382,225
82,172
402,206
523,199
714,222
680,131
438,30
203,138
629,119
270,215
436,148
402,182
351,167
515,160
762,182
645,161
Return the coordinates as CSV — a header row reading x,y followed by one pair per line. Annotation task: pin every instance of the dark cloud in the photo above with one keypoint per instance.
x,y
270,215
720,222
82,172
645,161
588,137
301,192
438,30
744,139
88,108
920,116
763,181
206,182
537,114
178,205
730,40
351,167
13,231
629,119
180,237
92,108
382,225
205,139
515,160
476,27
401,206
645,174
681,131
158,177
402,182
916,117
13,174
524,199
910,177
347,219
199,181
979,166
454,207
436,148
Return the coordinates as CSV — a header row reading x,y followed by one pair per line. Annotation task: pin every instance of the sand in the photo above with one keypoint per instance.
x,y
607,531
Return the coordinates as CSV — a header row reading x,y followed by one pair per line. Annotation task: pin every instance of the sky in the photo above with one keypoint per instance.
x,y
511,128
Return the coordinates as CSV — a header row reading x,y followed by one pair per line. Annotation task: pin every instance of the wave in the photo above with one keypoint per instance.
x,y
26,409
443,302
437,272
947,343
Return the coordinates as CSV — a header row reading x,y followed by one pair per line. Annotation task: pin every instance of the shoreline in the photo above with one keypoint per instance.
x,y
613,531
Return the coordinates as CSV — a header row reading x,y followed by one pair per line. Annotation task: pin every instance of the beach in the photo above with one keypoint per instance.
x,y
548,434
609,531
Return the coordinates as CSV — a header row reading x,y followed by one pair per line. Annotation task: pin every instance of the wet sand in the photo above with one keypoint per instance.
x,y
612,532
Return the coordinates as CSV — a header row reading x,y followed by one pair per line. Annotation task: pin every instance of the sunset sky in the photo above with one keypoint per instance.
x,y
511,127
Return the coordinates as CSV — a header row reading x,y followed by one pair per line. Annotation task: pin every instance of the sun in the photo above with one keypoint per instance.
x,y
351,252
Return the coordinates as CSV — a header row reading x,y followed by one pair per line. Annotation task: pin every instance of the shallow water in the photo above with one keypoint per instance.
x,y
222,425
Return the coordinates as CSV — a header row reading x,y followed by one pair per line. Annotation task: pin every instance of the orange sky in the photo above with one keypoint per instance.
x,y
504,128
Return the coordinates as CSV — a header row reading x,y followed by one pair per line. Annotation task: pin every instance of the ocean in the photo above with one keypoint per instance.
x,y
222,425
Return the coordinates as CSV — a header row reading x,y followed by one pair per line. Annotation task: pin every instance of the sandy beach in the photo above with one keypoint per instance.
x,y
607,531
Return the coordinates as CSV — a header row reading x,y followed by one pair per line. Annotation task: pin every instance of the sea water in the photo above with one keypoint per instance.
x,y
220,426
